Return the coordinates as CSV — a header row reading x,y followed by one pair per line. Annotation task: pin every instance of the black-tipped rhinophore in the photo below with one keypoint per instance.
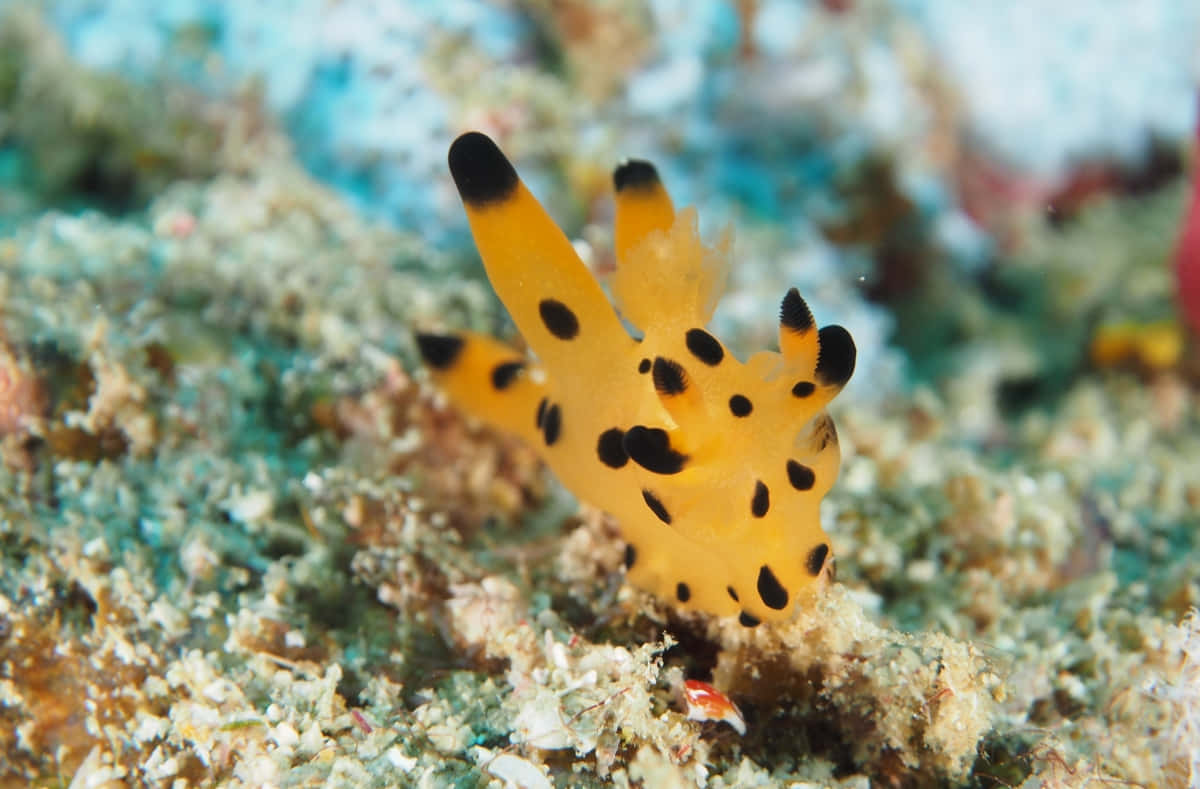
x,y
835,357
439,350
669,377
634,174
794,313
481,171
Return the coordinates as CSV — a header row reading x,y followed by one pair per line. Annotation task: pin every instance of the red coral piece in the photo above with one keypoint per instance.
x,y
1187,258
706,703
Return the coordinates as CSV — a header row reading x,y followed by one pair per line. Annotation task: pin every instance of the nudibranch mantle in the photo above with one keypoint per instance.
x,y
714,468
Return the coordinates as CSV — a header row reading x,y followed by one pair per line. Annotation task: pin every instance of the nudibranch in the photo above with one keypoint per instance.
x,y
714,468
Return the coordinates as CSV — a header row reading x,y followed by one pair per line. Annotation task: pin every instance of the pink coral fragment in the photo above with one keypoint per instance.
x,y
1187,258
706,703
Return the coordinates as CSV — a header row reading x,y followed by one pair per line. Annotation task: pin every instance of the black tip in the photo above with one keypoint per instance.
x,y
634,174
439,350
481,171
794,313
836,356
669,377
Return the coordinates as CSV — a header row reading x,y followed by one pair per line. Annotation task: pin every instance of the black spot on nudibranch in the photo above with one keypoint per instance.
x,y
801,476
704,347
480,170
816,559
749,620
634,174
559,319
505,373
656,506
835,356
794,313
630,556
644,366
770,590
650,448
610,448
669,377
552,424
682,592
803,389
732,593
761,501
740,405
439,350
541,412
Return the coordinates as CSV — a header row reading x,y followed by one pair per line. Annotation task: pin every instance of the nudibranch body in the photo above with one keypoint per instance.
x,y
714,468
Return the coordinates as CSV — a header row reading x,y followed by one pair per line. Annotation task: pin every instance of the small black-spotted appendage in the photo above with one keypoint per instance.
x,y
656,506
836,356
704,347
770,590
740,405
749,620
439,350
610,448
552,424
481,172
558,319
682,592
794,313
761,501
650,448
634,174
630,556
800,475
669,377
825,432
816,559
504,373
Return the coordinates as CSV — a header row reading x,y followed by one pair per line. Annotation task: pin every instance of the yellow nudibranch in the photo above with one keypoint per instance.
x,y
715,469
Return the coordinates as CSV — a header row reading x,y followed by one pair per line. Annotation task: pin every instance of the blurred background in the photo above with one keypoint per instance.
x,y
931,172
